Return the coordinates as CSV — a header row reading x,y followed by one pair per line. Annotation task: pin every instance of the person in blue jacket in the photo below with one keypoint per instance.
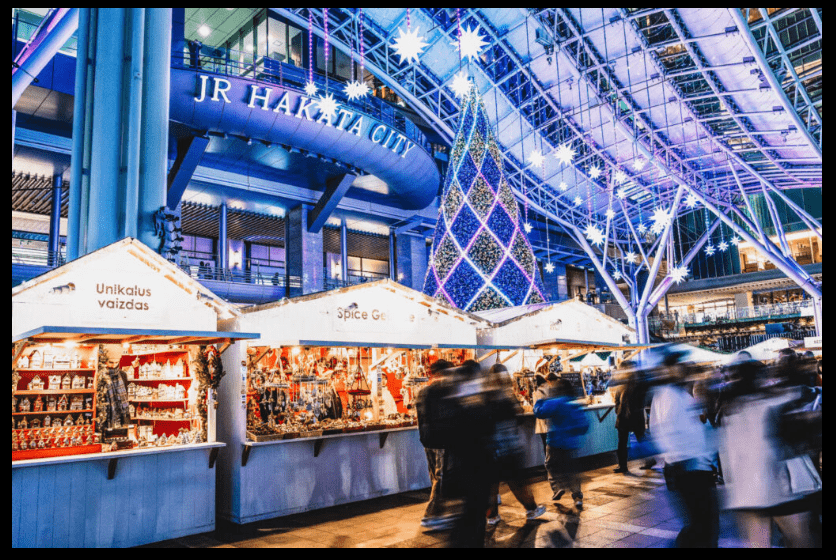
x,y
568,426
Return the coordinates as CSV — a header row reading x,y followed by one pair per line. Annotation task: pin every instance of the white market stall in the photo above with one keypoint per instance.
x,y
767,351
349,348
564,330
113,435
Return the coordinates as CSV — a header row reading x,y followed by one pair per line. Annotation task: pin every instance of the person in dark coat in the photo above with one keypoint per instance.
x,y
630,402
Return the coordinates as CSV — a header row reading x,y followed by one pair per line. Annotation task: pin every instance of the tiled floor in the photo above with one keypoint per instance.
x,y
621,511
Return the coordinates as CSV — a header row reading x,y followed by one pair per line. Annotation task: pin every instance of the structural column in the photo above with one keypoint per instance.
x,y
555,283
305,265
344,251
120,134
223,238
411,260
55,221
817,314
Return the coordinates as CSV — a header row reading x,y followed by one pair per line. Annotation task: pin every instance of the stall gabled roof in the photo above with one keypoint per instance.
x,y
386,284
149,258
508,315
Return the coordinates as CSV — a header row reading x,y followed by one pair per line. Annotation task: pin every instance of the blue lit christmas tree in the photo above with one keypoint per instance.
x,y
481,258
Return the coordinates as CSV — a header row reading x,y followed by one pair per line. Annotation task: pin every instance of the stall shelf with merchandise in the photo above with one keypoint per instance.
x,y
136,482
384,331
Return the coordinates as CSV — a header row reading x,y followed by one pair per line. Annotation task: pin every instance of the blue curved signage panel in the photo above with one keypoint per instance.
x,y
280,115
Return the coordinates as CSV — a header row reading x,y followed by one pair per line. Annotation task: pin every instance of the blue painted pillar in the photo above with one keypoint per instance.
x,y
555,283
305,255
344,251
223,239
55,221
393,255
120,133
412,261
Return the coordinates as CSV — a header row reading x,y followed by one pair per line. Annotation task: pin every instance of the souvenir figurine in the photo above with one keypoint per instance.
x,y
54,382
25,405
23,425
66,383
132,391
62,362
36,424
166,373
14,404
78,382
49,360
37,384
88,403
75,362
36,360
51,404
69,421
91,383
23,362
62,403
48,422
177,370
76,403
80,421
39,405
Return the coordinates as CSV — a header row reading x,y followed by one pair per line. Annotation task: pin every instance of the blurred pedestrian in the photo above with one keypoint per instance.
x,y
631,399
686,445
506,448
568,425
431,430
767,434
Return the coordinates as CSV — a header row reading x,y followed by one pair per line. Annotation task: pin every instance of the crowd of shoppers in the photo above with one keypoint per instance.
x,y
752,429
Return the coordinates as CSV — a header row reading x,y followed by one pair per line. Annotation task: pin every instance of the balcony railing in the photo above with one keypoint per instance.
x,y
37,257
674,322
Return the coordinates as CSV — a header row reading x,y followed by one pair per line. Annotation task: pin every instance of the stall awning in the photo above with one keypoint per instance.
x,y
590,346
85,335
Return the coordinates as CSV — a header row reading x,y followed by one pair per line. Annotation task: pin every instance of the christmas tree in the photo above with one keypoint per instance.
x,y
481,258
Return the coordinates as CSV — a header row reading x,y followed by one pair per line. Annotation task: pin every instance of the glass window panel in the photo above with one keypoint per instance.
x,y
277,37
261,37
375,267
342,62
295,40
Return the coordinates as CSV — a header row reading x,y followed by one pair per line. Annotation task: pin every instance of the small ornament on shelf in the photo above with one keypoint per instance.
x,y
54,383
37,384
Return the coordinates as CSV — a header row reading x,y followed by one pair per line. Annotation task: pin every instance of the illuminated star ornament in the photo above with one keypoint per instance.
x,y
617,275
537,158
594,172
409,45
577,201
723,246
461,84
642,229
621,193
311,89
471,43
328,106
630,257
356,90
549,267
710,250
594,234
620,177
679,274
527,227
692,201
610,213
661,220
638,164
565,154
735,241
563,187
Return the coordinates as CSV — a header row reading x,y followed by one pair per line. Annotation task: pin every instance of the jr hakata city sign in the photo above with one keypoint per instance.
x,y
219,90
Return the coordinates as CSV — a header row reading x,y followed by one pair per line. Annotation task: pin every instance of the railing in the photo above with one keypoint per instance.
x,y
736,343
674,322
226,62
37,257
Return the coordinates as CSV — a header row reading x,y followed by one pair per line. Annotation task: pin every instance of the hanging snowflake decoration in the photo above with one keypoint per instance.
x,y
642,229
461,84
723,246
735,241
471,43
409,45
621,193
661,220
537,158
620,177
328,106
578,201
692,201
630,257
549,267
357,90
563,187
594,172
528,227
594,234
617,275
710,250
311,89
638,164
610,213
679,274
565,154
